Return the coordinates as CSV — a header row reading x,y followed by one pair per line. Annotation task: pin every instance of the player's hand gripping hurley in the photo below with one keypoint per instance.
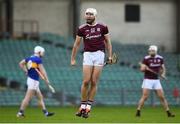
x,y
150,70
113,60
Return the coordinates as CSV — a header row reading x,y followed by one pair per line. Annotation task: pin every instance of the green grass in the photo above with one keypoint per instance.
x,y
98,115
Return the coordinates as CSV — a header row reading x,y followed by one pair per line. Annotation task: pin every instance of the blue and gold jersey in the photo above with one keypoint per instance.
x,y
32,64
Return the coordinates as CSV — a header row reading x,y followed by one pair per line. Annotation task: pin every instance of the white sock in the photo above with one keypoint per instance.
x,y
88,107
89,103
83,106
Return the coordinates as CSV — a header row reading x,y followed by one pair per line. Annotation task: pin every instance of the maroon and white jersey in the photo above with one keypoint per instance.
x,y
93,36
154,63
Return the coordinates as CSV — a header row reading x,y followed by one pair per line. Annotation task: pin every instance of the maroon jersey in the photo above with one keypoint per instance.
x,y
154,63
93,36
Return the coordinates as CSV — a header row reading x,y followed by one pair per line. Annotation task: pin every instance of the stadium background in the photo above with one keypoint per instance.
x,y
133,24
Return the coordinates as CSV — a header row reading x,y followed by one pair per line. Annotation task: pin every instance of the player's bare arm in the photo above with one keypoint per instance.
x,y
143,67
163,71
109,46
75,49
43,72
22,65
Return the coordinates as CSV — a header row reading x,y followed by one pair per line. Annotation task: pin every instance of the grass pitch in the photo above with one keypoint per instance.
x,y
98,115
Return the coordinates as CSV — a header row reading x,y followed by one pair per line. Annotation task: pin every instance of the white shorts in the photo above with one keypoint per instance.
x,y
32,84
93,58
151,84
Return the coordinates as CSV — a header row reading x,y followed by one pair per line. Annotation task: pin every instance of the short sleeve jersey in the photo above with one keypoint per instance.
x,y
32,63
93,36
154,63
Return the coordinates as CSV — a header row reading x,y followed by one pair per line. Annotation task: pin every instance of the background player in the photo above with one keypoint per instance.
x,y
95,36
29,66
151,81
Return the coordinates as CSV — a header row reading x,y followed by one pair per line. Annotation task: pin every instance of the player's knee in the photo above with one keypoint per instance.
x,y
26,101
86,81
145,97
161,97
41,97
93,83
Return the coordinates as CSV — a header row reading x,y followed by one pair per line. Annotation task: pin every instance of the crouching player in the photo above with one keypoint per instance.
x,y
34,68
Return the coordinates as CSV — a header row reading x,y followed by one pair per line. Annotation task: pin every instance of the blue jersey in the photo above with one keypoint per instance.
x,y
32,64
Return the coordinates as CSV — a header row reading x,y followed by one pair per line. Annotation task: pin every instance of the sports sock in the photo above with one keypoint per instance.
x,y
45,111
21,111
83,104
89,103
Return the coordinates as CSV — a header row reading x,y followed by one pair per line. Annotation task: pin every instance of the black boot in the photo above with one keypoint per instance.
x,y
138,113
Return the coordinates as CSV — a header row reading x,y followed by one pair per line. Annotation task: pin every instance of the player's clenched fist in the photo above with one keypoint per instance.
x,y
73,62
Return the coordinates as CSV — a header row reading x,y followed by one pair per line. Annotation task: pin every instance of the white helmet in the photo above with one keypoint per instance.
x,y
91,10
153,47
39,49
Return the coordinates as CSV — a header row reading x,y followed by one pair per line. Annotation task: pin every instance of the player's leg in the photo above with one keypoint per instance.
x,y
94,81
145,94
32,86
164,102
96,72
160,94
98,62
29,94
42,104
146,86
93,88
87,72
